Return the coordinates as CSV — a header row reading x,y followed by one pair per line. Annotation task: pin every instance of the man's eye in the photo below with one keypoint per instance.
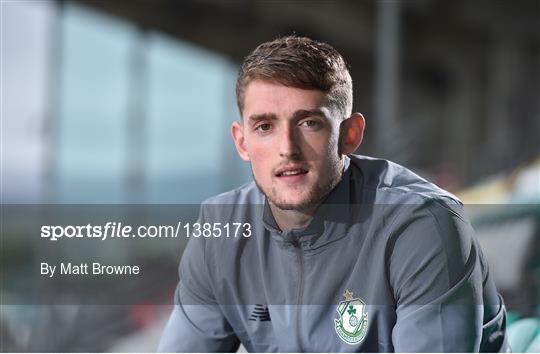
x,y
311,123
264,127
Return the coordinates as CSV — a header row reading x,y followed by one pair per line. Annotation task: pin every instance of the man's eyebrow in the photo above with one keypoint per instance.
x,y
301,113
262,116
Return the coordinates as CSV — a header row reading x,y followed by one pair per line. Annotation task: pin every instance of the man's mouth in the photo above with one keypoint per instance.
x,y
291,172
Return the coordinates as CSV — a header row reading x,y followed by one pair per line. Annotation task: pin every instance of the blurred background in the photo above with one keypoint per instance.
x,y
130,102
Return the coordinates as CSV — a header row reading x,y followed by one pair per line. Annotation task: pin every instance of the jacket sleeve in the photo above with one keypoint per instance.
x,y
197,323
445,298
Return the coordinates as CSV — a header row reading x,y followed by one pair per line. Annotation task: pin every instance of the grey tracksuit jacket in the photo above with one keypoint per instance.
x,y
388,263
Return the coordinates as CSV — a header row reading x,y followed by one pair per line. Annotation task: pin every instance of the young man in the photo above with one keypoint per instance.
x,y
344,252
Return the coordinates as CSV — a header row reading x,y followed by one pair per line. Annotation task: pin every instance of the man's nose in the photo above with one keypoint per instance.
x,y
289,143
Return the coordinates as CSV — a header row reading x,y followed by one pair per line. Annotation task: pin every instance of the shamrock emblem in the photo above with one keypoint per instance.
x,y
351,311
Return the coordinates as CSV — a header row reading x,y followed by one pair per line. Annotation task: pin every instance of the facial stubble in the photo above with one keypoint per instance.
x,y
315,195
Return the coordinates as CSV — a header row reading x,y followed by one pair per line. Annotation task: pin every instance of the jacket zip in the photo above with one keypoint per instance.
x,y
300,295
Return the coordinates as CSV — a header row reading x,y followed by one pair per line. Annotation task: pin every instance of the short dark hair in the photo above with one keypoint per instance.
x,y
298,62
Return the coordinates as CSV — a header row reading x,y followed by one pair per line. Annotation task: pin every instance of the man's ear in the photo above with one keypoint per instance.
x,y
237,132
351,133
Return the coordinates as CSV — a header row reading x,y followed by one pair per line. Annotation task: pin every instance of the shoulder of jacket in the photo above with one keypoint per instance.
x,y
393,183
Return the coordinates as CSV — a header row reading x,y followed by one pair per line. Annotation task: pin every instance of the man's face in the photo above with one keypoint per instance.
x,y
290,136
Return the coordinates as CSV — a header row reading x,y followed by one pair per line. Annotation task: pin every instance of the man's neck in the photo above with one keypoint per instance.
x,y
292,219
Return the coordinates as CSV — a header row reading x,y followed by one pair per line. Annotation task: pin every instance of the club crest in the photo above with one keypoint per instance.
x,y
351,326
